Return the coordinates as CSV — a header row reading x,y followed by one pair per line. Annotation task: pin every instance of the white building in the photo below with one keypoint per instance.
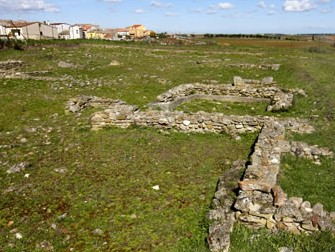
x,y
63,30
35,30
76,32
2,30
121,34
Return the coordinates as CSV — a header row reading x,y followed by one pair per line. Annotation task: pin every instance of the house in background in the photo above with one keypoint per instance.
x,y
2,30
3,35
76,32
31,30
121,34
95,34
64,35
136,31
63,30
88,28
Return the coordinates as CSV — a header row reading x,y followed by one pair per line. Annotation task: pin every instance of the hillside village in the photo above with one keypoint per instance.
x,y
23,30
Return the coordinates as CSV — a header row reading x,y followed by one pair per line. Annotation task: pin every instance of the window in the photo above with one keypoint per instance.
x,y
16,32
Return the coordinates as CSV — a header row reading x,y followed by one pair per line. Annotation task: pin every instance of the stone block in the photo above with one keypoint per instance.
x,y
308,226
297,201
318,209
252,220
279,197
238,81
251,185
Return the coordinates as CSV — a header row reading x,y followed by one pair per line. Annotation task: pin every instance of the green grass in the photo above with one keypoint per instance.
x,y
228,108
315,182
245,240
92,191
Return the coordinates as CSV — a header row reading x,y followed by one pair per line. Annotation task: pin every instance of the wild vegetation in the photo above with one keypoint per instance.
x,y
142,189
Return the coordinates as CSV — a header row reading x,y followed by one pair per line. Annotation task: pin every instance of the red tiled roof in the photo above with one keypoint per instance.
x,y
121,30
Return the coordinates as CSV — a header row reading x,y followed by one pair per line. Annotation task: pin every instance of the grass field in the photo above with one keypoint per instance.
x,y
93,191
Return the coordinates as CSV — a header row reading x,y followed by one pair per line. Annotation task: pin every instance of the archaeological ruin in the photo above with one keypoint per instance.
x,y
260,201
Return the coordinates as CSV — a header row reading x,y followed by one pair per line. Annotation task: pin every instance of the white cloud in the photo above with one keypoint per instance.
x,y
213,9
139,11
225,5
261,4
157,4
26,5
298,5
113,1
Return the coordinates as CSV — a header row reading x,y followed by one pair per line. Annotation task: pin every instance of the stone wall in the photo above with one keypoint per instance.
x,y
274,67
10,64
260,201
241,90
79,103
123,115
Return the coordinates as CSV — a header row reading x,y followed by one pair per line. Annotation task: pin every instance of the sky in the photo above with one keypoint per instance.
x,y
183,16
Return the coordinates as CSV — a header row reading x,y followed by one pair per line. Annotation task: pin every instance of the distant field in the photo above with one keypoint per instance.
x,y
275,43
93,191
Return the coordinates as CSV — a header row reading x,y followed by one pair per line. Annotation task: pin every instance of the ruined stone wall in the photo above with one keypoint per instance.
x,y
241,90
123,116
79,103
274,67
10,64
262,203
248,89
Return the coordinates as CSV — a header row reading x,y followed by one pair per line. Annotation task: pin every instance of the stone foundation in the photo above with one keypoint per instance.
x,y
274,67
122,115
10,64
260,201
79,103
241,90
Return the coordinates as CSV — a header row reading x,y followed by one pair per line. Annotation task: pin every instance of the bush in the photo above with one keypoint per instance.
x,y
13,44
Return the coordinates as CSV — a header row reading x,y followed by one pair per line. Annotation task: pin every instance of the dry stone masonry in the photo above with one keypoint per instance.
x,y
274,67
9,70
260,201
79,103
241,90
10,64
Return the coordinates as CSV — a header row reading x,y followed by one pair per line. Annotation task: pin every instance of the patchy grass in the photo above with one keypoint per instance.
x,y
245,240
312,178
93,191
228,108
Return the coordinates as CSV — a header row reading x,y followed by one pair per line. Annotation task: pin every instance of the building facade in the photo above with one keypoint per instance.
x,y
63,30
136,31
36,31
76,32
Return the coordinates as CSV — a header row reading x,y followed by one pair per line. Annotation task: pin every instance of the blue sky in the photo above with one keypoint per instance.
x,y
183,16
